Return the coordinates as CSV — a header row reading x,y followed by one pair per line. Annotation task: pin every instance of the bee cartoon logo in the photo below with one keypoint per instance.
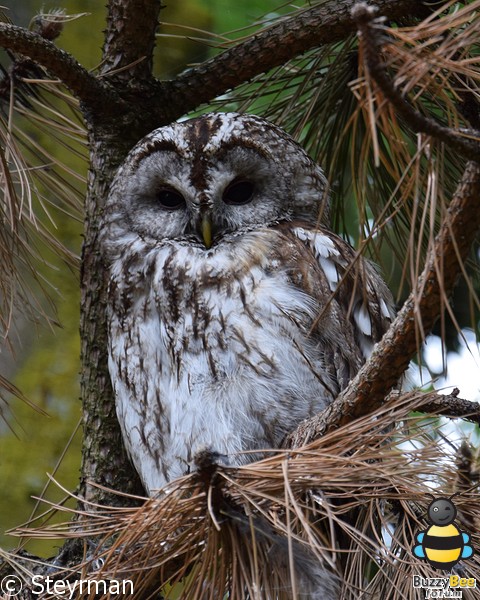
x,y
443,545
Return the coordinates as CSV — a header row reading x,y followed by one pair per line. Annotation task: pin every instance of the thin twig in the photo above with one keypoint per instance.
x,y
448,405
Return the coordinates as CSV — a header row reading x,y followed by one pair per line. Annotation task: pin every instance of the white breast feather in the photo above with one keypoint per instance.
x,y
165,364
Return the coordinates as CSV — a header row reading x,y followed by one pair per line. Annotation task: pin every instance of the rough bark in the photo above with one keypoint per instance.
x,y
59,63
322,24
104,460
129,40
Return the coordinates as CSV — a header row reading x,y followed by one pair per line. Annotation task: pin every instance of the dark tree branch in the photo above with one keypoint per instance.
x,y
450,405
127,83
430,403
391,356
60,64
370,31
325,23
130,39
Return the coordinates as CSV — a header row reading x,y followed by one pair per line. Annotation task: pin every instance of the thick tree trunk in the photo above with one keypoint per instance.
x,y
129,40
104,460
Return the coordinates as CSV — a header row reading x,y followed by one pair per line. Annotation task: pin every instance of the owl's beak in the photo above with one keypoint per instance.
x,y
206,229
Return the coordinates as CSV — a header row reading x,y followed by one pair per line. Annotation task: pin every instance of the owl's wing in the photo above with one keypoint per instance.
x,y
355,306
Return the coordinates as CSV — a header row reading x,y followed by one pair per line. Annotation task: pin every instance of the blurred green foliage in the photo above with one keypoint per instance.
x,y
48,359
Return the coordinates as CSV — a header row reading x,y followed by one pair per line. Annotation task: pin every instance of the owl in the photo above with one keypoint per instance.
x,y
234,312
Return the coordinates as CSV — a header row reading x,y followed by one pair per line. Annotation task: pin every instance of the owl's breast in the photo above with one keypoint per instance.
x,y
232,298
213,350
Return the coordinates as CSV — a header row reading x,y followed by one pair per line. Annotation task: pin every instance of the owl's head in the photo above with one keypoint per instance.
x,y
216,174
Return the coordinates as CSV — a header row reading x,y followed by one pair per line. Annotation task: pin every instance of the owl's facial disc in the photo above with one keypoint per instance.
x,y
211,177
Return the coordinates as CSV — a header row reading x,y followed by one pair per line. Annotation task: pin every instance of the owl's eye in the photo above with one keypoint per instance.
x,y
170,199
240,191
